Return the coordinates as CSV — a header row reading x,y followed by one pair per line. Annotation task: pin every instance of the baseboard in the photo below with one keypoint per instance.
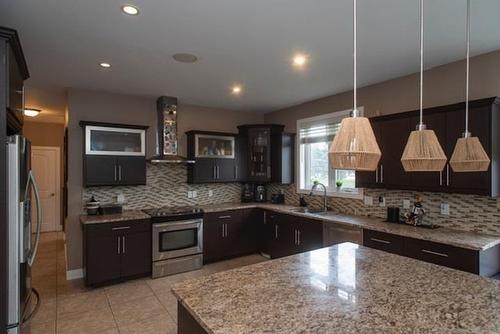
x,y
74,274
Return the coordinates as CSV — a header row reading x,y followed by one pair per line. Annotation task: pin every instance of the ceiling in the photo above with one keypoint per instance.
x,y
246,42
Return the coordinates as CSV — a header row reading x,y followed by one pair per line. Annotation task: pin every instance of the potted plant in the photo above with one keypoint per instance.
x,y
339,185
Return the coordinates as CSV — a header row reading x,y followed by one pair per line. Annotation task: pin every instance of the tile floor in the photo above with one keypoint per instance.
x,y
140,306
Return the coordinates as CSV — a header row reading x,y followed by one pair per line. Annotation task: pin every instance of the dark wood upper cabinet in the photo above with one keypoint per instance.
x,y
114,154
207,169
270,153
392,132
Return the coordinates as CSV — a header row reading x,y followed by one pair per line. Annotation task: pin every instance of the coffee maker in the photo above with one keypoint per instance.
x,y
260,193
247,192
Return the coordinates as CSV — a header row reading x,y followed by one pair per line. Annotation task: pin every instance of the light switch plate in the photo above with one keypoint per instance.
x,y
368,200
120,198
190,194
195,194
210,193
445,209
406,204
381,201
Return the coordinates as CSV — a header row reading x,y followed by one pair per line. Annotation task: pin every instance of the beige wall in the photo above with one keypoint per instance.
x,y
442,85
114,108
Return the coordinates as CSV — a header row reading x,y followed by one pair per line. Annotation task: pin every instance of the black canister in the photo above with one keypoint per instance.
x,y
393,214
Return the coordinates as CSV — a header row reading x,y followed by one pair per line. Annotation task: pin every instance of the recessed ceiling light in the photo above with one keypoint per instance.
x,y
236,89
130,10
105,65
31,112
299,60
185,58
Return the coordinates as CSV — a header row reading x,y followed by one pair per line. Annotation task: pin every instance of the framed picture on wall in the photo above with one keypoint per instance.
x,y
211,146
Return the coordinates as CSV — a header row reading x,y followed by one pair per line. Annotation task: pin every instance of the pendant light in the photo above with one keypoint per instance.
x,y
469,155
355,147
423,153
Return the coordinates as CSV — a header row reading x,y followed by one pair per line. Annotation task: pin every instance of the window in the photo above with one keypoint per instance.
x,y
314,139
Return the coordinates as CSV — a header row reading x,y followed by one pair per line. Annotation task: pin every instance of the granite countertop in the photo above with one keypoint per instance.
x,y
348,287
118,217
463,239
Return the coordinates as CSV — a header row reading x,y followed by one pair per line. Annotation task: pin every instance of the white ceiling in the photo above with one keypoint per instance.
x,y
246,42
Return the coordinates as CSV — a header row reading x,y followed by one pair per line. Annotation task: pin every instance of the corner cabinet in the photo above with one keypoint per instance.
x,y
215,155
114,154
270,153
392,132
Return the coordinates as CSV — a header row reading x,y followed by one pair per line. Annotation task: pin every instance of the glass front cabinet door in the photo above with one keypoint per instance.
x,y
103,140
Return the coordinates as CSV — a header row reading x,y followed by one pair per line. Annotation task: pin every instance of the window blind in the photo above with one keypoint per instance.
x,y
318,132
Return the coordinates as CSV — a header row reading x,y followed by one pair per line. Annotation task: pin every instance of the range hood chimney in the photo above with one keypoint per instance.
x,y
167,132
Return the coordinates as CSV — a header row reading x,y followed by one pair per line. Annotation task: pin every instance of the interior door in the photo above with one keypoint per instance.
x,y
45,163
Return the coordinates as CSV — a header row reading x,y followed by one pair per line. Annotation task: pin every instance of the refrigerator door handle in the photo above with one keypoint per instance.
x,y
31,178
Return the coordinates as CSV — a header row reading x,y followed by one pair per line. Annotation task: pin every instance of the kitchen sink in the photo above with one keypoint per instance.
x,y
315,212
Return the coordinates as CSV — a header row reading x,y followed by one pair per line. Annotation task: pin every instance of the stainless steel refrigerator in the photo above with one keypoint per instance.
x,y
23,299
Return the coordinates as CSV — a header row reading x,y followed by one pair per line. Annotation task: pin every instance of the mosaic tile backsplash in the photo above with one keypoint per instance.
x,y
165,186
467,212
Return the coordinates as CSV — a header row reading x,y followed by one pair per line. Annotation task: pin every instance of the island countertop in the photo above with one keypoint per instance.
x,y
343,289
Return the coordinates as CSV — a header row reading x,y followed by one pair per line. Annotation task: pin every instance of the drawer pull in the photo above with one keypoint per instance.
x,y
380,241
224,217
434,253
120,228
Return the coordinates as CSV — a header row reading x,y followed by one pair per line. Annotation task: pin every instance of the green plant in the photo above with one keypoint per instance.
x,y
338,184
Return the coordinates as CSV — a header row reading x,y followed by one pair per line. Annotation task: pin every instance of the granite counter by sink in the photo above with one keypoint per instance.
x,y
463,239
113,218
344,288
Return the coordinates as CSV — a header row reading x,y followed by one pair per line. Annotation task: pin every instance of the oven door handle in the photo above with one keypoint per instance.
x,y
173,226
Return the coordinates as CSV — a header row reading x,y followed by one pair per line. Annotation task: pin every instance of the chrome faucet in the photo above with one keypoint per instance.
x,y
315,185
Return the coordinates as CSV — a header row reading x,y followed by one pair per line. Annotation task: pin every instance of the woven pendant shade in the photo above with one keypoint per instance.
x,y
423,153
354,146
469,156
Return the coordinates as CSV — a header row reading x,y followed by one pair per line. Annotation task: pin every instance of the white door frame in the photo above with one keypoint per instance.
x,y
57,149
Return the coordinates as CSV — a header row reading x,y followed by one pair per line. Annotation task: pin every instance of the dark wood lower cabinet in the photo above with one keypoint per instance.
x,y
116,251
485,263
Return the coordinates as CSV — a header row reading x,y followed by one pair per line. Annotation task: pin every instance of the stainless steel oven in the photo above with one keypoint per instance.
x,y
177,246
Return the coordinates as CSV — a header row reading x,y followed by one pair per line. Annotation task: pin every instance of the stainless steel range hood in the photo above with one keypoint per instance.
x,y
167,132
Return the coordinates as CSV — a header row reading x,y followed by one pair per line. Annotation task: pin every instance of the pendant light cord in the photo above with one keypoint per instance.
x,y
355,47
466,133
421,62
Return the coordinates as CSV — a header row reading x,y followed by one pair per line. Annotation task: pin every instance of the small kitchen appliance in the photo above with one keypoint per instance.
x,y
177,239
260,193
278,198
393,214
247,192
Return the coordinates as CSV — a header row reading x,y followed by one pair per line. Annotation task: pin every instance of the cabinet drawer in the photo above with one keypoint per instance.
x,y
223,216
123,227
383,241
444,255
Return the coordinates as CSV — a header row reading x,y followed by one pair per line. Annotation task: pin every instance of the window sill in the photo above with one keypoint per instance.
x,y
357,195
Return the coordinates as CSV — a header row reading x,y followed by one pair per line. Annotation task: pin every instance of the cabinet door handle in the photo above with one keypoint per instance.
x,y
119,246
448,174
376,175
218,172
222,233
298,237
224,217
119,172
123,245
120,228
276,231
295,235
434,253
116,178
380,241
265,217
381,173
441,178
226,229
235,172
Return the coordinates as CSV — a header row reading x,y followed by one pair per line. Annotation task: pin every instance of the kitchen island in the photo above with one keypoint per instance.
x,y
340,289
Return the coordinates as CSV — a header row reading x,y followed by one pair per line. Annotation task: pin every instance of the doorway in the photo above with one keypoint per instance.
x,y
46,166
